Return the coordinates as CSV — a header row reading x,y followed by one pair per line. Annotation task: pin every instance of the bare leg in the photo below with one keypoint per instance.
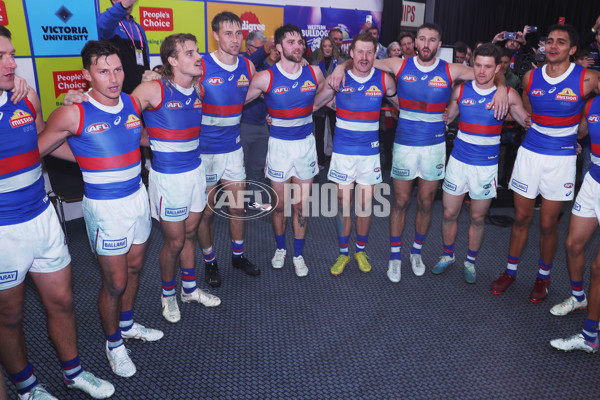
x,y
344,216
205,230
580,231
300,220
479,209
12,340
425,195
402,192
364,213
548,229
520,228
452,207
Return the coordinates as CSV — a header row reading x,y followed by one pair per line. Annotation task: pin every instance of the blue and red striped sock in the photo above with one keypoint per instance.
x,y
590,330
577,290
396,247
449,250
471,256
168,288
71,369
188,279
544,271
24,380
511,267
126,320
418,243
238,248
209,255
361,242
114,340
343,242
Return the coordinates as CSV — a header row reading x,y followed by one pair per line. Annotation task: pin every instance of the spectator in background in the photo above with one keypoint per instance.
x,y
518,45
591,42
328,57
584,58
407,43
394,50
117,25
468,57
374,31
460,53
337,37
512,79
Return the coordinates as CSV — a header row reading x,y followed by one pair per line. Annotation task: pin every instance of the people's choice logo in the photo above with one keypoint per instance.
x,y
156,19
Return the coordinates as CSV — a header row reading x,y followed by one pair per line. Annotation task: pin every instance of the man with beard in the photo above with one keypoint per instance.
x,y
289,90
424,85
355,158
226,80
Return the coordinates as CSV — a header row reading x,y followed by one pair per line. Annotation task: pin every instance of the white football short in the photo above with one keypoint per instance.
x,y
228,166
114,225
587,203
174,196
38,245
287,158
478,180
551,176
411,162
345,169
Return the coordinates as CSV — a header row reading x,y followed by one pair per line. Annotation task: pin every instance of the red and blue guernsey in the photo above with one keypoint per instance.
x,y
556,105
423,93
358,106
593,120
478,139
174,129
290,100
22,195
225,88
107,148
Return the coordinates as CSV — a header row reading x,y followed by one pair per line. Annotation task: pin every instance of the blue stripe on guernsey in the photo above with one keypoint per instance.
x,y
174,129
556,105
290,101
593,122
422,93
478,140
107,148
225,89
24,380
358,106
22,194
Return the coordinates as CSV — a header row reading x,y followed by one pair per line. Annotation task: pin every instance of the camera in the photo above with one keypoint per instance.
x,y
510,35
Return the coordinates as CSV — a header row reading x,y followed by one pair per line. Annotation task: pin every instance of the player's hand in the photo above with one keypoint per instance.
x,y
366,26
20,90
304,62
499,37
150,76
337,78
521,38
269,120
499,104
75,96
445,116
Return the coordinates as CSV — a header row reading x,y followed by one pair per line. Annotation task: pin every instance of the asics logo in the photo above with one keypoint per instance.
x,y
424,77
361,87
552,90
188,101
481,100
230,77
295,85
117,120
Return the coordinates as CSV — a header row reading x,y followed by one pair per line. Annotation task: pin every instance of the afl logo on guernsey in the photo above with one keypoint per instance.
x,y
566,94
308,86
347,90
197,104
97,127
467,102
537,92
20,118
373,91
243,81
438,81
592,119
409,78
133,121
281,90
174,105
215,81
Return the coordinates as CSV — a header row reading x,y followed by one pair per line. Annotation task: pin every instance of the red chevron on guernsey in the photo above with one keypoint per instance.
x,y
19,161
214,109
480,129
422,105
102,163
555,121
291,113
174,134
362,116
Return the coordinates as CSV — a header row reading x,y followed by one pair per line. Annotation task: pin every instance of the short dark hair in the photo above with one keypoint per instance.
x,y
460,47
582,53
96,49
570,29
282,30
404,34
336,29
222,17
488,50
506,52
363,37
5,32
373,27
432,26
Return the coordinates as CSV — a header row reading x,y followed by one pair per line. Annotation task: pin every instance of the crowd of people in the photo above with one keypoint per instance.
x,y
224,119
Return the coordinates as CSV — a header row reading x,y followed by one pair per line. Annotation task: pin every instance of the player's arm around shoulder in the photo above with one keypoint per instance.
x,y
390,90
516,109
582,129
258,85
34,99
390,65
591,83
452,109
62,123
325,93
525,95
148,95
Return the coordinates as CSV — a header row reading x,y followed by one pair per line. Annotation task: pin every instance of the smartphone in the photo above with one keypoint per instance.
x,y
369,19
533,29
510,35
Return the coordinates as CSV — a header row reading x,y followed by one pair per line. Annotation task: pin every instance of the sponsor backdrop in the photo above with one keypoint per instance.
x,y
48,39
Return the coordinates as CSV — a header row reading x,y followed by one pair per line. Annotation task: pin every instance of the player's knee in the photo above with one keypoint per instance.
x,y
478,221
548,227
596,269
11,316
175,245
522,219
574,247
116,288
425,205
401,202
61,303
